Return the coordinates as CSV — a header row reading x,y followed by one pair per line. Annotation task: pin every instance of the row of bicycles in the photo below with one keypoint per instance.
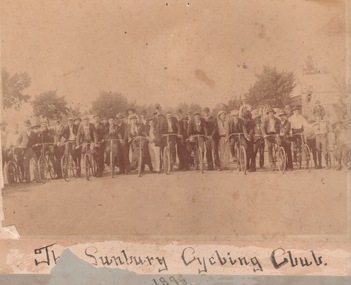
x,y
71,168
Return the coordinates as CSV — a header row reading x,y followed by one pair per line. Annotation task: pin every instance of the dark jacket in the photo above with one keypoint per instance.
x,y
212,128
161,124
100,131
28,141
192,129
248,130
234,128
265,126
65,132
121,132
45,137
110,132
174,124
81,136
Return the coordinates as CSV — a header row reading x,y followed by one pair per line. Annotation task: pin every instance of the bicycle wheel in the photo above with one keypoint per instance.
x,y
166,160
93,165
140,161
50,168
65,167
112,163
42,167
307,155
201,160
12,177
281,159
20,173
72,167
87,166
243,159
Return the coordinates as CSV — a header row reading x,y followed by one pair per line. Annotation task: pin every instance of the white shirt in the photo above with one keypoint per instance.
x,y
71,136
298,122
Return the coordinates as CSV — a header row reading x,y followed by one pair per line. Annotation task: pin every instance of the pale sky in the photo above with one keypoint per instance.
x,y
152,53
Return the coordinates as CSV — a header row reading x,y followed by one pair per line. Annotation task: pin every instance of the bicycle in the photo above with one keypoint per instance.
x,y
302,152
199,150
166,155
45,163
141,143
112,160
14,170
68,165
89,161
278,153
240,152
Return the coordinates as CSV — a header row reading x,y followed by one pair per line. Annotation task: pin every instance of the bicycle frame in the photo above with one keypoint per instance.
x,y
140,138
111,152
242,165
167,165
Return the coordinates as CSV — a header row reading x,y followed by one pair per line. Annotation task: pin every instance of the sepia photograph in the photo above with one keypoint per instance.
x,y
176,120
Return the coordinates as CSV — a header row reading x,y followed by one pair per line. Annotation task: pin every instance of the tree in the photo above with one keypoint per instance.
x,y
74,110
49,105
13,89
272,88
110,104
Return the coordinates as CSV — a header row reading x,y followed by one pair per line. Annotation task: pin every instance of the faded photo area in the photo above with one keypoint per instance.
x,y
189,120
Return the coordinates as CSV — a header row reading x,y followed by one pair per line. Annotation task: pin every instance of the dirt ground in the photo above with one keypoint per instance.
x,y
214,205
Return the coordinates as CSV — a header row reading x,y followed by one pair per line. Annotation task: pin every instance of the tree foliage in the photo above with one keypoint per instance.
x,y
110,104
13,89
272,88
49,105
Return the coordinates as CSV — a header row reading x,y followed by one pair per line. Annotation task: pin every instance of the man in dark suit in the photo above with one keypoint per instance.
x,y
86,134
100,147
234,126
28,139
122,148
69,134
181,142
172,128
285,128
211,145
197,126
248,129
270,126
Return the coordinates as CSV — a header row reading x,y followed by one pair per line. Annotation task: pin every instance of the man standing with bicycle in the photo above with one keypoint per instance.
x,y
234,126
298,124
248,130
122,147
100,147
285,128
181,143
172,129
86,134
69,134
28,139
211,145
271,126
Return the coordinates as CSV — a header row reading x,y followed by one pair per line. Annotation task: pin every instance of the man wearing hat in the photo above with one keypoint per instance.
x,y
86,134
342,139
69,134
122,148
100,147
58,147
285,128
28,139
234,126
248,130
77,121
161,125
221,126
181,142
211,145
244,108
258,141
318,109
321,129
270,126
298,125
172,128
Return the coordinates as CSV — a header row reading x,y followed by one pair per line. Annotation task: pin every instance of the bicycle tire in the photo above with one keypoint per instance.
x,y
20,173
51,169
308,157
243,159
72,167
166,160
65,167
112,165
87,166
42,167
281,159
11,173
201,160
140,161
93,165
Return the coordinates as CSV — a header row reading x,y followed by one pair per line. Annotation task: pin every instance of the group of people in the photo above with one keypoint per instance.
x,y
259,132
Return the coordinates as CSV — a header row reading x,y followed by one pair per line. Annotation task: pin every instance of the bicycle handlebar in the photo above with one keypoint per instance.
x,y
138,138
169,135
235,134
